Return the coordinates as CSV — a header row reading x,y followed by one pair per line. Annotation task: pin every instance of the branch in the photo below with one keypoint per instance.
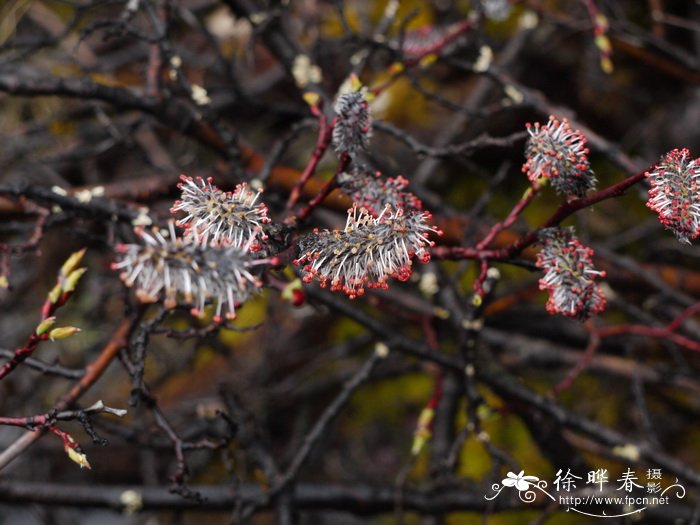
x,y
322,424
93,372
359,499
172,113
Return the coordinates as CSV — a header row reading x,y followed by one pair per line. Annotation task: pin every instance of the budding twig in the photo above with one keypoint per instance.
x,y
66,282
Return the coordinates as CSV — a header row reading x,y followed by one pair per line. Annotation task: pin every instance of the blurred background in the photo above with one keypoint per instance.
x,y
103,103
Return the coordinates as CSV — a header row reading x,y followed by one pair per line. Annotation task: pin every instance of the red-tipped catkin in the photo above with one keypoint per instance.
x,y
368,251
557,153
226,218
171,268
569,275
353,124
675,193
374,192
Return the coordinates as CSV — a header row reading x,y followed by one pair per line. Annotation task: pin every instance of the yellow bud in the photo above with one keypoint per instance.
x,y
63,332
355,83
426,417
4,283
441,313
72,262
422,433
602,42
72,280
629,452
606,65
428,60
396,68
311,98
45,325
77,457
419,441
602,22
484,412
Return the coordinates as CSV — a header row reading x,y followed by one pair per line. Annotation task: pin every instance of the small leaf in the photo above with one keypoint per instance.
x,y
55,294
63,332
72,262
72,280
45,325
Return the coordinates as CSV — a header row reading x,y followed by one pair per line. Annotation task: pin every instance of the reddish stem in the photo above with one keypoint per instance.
x,y
28,422
438,46
326,190
497,228
459,30
648,331
667,332
21,354
680,319
565,210
324,139
483,274
526,199
586,358
569,208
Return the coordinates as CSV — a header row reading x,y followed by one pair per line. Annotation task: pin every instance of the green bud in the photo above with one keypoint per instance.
x,y
72,262
45,325
63,332
72,280
55,294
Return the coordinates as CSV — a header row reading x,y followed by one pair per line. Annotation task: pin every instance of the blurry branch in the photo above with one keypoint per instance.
x,y
141,392
645,47
175,114
511,390
41,420
268,24
322,424
93,207
93,372
359,499
46,368
517,351
453,150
